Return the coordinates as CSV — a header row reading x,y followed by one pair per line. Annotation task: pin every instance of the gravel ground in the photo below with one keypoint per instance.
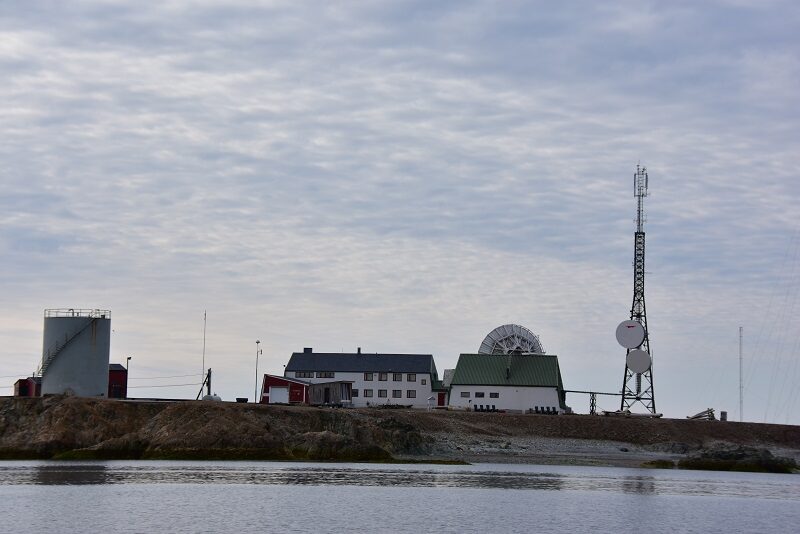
x,y
541,450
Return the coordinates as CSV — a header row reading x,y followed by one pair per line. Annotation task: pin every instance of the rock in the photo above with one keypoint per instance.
x,y
739,459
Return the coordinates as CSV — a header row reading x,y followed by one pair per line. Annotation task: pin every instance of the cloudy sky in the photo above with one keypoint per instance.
x,y
404,177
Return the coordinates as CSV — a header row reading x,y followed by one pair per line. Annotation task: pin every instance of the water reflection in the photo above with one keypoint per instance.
x,y
60,474
100,473
640,485
608,480
462,479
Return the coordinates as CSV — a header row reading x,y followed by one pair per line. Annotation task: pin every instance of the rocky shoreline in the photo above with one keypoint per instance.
x,y
57,427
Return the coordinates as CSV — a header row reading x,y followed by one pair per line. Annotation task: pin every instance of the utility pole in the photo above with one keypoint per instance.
x,y
255,390
741,384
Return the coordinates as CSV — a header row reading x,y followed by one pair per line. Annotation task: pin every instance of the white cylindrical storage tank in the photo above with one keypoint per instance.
x,y
75,353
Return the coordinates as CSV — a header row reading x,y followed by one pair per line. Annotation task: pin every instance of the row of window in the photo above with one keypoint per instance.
x,y
383,393
310,374
480,395
368,377
396,377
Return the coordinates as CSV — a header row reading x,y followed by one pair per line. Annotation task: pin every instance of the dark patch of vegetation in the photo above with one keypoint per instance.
x,y
659,464
23,454
740,459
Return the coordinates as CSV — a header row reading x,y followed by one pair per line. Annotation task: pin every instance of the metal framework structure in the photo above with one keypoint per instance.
x,y
592,398
638,387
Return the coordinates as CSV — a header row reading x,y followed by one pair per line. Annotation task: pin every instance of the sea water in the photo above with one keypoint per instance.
x,y
170,496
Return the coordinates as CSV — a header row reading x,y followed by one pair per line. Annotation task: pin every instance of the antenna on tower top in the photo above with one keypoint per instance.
x,y
640,180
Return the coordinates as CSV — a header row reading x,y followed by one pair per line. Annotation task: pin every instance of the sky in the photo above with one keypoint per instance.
x,y
405,176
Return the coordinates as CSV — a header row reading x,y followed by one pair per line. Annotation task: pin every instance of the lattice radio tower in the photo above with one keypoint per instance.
x,y
638,383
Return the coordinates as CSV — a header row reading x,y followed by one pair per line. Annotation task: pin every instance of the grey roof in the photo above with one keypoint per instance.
x,y
361,362
116,367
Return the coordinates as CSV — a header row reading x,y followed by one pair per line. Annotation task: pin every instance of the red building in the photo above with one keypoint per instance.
x,y
28,387
282,390
117,381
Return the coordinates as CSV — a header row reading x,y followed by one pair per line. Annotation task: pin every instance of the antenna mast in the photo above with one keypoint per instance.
x,y
741,386
638,386
204,342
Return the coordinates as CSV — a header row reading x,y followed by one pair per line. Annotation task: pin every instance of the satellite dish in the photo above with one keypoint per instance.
x,y
638,361
630,334
511,338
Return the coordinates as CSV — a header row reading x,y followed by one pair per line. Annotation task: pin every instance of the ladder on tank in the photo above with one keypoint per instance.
x,y
50,354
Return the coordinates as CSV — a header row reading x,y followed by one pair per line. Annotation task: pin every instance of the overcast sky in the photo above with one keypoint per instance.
x,y
405,177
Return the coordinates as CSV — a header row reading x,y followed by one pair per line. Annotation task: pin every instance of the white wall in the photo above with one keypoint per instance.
x,y
422,391
517,398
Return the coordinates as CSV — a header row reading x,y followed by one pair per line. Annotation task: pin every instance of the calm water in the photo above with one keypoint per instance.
x,y
304,497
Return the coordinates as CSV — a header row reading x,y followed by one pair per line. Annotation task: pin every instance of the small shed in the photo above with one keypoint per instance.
x,y
28,387
339,393
281,390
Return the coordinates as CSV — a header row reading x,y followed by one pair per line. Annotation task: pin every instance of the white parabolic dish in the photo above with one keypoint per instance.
x,y
630,334
638,361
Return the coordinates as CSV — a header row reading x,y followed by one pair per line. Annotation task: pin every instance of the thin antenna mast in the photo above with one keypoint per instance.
x,y
204,343
637,385
741,385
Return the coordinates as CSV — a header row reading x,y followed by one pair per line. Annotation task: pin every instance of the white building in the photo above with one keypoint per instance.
x,y
405,379
511,382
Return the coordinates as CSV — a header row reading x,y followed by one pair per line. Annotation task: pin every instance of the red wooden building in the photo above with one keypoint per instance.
x,y
282,390
28,387
117,381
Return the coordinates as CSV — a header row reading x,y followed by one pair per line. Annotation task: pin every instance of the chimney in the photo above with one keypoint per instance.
x,y
307,350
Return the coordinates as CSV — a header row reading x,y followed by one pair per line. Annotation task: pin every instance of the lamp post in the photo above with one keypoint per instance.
x,y
255,390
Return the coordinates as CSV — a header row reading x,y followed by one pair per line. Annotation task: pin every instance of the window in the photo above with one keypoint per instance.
x,y
355,393
479,394
397,393
304,374
367,377
411,377
411,394
382,393
465,394
494,395
424,381
397,377
367,392
324,374
383,377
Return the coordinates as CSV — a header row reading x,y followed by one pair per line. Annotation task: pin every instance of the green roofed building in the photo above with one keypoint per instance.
x,y
511,382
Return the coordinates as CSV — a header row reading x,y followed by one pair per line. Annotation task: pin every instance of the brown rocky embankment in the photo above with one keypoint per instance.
x,y
61,427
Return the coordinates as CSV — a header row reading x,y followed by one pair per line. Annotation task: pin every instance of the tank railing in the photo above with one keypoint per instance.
x,y
49,355
78,312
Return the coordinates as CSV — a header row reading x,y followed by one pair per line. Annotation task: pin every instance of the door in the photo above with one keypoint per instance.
x,y
327,395
440,402
278,395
